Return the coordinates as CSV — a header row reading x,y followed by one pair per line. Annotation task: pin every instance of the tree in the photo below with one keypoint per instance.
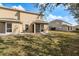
x,y
47,7
74,10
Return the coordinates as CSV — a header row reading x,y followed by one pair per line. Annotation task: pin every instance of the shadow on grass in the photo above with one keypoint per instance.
x,y
53,45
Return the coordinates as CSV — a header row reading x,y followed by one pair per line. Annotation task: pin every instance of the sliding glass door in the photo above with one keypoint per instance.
x,y
39,27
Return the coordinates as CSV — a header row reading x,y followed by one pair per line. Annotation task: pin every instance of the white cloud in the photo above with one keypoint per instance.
x,y
1,5
69,19
18,7
51,17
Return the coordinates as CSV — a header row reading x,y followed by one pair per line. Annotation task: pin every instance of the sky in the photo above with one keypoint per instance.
x,y
59,12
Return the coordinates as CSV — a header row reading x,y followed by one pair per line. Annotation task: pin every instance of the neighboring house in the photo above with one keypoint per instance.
x,y
17,21
60,25
76,27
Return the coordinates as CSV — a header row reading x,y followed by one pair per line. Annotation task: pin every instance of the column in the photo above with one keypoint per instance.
x,y
5,27
34,28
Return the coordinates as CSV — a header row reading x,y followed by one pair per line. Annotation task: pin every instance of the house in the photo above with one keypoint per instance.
x,y
76,27
60,25
18,21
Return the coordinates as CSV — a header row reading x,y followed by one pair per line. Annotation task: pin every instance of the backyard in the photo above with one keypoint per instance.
x,y
55,43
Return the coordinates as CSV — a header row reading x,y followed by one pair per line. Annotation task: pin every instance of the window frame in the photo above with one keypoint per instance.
x,y
9,29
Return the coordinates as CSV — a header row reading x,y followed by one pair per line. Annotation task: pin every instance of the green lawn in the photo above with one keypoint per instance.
x,y
56,43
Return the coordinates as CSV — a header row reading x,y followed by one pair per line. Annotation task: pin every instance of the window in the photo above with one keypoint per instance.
x,y
18,15
52,28
9,27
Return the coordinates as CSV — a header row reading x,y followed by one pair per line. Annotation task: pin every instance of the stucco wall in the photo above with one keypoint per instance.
x,y
65,28
46,27
4,13
27,18
16,28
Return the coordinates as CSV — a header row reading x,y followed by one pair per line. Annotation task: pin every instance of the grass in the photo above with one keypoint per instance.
x,y
56,43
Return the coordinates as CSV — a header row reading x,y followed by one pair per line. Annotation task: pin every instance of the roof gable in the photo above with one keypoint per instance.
x,y
58,20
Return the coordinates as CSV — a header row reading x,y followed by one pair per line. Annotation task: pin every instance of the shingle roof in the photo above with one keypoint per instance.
x,y
40,21
61,21
9,20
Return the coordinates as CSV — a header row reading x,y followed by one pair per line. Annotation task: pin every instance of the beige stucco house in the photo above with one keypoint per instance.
x,y
17,21
60,25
